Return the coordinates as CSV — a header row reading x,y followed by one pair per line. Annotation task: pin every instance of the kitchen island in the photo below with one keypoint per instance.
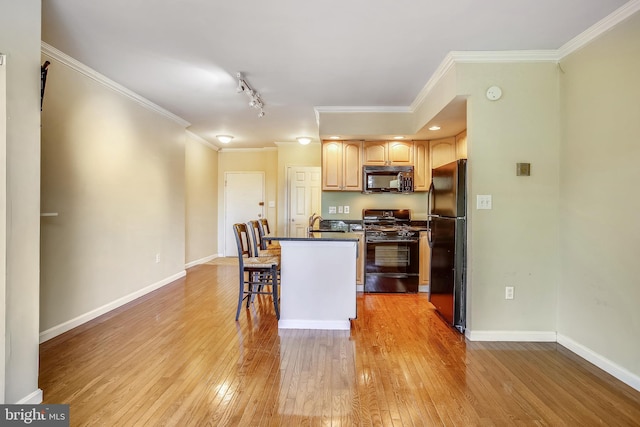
x,y
318,280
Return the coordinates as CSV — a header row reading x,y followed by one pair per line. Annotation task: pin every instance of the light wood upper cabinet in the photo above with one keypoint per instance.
x,y
422,167
461,145
381,153
401,153
342,165
375,153
352,165
442,151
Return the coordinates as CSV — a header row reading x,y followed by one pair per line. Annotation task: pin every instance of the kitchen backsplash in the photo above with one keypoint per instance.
x,y
356,202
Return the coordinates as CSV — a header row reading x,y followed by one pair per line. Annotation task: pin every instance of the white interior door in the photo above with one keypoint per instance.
x,y
304,184
243,202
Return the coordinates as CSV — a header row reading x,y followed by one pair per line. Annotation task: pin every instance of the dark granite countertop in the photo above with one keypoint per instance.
x,y
325,236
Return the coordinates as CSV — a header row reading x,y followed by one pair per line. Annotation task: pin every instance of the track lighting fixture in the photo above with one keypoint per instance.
x,y
254,97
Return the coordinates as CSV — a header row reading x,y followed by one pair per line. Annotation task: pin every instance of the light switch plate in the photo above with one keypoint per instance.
x,y
339,209
483,201
523,169
346,209
332,209
272,203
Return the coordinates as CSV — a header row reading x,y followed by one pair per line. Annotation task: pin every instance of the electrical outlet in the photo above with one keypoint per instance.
x,y
157,258
346,209
508,292
483,201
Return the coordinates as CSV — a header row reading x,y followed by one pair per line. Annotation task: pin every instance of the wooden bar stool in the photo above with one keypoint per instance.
x,y
260,246
263,227
255,272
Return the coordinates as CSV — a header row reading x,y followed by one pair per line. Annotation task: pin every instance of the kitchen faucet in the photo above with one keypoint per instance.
x,y
312,220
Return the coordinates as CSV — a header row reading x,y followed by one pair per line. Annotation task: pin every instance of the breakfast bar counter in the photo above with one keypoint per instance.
x,y
318,280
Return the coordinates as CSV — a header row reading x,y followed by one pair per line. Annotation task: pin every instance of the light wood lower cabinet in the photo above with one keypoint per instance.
x,y
362,255
425,259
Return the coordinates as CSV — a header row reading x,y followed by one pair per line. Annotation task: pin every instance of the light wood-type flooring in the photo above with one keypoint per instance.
x,y
176,357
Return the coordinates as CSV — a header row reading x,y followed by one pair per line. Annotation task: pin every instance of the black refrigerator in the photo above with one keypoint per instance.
x,y
447,240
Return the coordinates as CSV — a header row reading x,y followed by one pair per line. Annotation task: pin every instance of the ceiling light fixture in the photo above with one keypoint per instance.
x,y
398,137
254,97
225,139
435,127
335,137
304,140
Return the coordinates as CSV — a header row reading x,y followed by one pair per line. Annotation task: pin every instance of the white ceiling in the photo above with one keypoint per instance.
x,y
183,55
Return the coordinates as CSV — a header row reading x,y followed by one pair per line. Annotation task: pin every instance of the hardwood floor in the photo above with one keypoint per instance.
x,y
177,357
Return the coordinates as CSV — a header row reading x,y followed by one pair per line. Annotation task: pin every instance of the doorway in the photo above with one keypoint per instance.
x,y
3,216
243,202
304,198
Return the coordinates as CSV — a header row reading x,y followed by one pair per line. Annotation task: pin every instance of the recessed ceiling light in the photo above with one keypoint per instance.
x,y
304,140
334,137
398,137
225,139
435,127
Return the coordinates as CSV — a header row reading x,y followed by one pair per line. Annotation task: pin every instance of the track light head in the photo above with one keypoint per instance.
x,y
254,97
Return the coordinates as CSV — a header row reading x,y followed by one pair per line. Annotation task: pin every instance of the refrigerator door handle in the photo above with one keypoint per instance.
x,y
429,229
430,199
429,240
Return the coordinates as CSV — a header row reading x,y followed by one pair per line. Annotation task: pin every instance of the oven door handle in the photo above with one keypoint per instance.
x,y
394,241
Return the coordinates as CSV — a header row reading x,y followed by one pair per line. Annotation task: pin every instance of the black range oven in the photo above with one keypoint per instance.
x,y
392,251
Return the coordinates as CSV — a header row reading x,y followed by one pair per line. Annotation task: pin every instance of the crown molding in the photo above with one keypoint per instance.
x,y
459,57
442,69
544,55
599,28
75,65
295,143
202,141
346,109
228,150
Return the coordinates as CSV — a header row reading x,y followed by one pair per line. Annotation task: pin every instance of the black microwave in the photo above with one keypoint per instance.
x,y
387,179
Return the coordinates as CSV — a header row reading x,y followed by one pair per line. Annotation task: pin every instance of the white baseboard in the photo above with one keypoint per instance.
x,y
34,398
524,336
359,288
201,261
601,362
84,318
423,288
335,325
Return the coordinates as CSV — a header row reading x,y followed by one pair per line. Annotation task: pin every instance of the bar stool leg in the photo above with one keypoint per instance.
x,y
274,290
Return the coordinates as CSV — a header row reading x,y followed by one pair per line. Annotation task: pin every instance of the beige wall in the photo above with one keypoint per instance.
x,y
20,41
600,232
516,242
114,171
201,200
